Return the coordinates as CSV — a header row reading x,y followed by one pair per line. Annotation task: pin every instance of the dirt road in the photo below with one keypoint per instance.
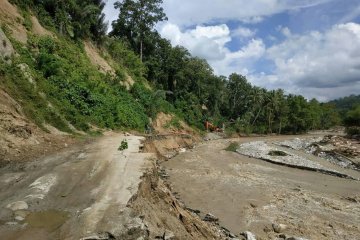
x,y
75,193
248,194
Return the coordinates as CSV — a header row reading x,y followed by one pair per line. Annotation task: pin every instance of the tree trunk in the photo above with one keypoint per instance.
x,y
256,117
280,127
61,27
270,130
141,50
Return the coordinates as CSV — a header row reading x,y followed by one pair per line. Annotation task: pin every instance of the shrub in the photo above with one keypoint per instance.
x,y
123,145
77,92
351,131
232,147
353,117
174,122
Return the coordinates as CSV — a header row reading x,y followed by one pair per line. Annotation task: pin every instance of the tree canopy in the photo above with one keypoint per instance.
x,y
74,18
136,20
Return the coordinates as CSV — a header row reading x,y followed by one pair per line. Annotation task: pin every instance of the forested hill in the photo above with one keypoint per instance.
x,y
347,103
73,76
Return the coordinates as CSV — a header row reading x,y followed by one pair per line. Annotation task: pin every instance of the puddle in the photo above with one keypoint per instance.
x,y
49,220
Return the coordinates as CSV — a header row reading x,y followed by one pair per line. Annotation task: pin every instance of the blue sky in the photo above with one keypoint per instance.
x,y
308,47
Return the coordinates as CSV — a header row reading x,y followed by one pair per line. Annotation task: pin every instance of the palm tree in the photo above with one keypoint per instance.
x,y
272,107
257,96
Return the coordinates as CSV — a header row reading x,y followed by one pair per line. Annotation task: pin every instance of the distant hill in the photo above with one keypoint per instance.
x,y
346,103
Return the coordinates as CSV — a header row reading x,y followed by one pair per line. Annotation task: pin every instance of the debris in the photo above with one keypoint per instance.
x,y
168,235
279,228
278,153
296,238
20,205
260,150
253,205
136,229
210,218
163,174
248,235
193,210
228,233
100,236
182,150
19,218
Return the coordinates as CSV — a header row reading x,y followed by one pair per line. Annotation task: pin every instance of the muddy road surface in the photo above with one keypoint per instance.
x,y
269,200
73,194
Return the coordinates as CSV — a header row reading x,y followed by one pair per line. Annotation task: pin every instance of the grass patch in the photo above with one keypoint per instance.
x,y
232,147
174,122
277,153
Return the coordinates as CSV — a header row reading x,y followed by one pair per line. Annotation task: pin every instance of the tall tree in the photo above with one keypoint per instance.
x,y
75,18
137,18
238,90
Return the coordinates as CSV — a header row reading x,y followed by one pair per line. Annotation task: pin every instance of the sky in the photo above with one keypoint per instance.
x,y
307,47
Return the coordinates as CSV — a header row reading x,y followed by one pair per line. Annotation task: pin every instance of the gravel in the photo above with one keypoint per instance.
x,y
261,150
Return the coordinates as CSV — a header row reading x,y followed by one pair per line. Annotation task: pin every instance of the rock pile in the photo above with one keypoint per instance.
x,y
341,145
210,218
337,150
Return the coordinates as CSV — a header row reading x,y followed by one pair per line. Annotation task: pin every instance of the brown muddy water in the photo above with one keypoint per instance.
x,y
49,220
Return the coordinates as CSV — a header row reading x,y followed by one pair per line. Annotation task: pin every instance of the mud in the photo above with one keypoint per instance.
x,y
49,220
249,194
75,193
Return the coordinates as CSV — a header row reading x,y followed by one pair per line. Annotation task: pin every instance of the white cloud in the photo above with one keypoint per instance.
x,y
286,31
243,32
324,65
205,42
209,42
241,61
110,12
190,12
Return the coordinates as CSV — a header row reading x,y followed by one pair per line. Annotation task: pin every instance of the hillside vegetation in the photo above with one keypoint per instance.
x,y
121,80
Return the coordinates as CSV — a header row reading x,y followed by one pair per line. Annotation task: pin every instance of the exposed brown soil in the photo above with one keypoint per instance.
x,y
163,212
166,140
10,15
38,29
20,139
162,125
167,146
96,59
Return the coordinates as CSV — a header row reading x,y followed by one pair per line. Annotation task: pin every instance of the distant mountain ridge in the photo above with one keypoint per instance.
x,y
346,103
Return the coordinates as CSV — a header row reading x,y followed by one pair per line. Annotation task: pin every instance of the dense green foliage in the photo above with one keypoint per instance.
x,y
353,117
349,109
352,121
347,103
68,88
74,18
